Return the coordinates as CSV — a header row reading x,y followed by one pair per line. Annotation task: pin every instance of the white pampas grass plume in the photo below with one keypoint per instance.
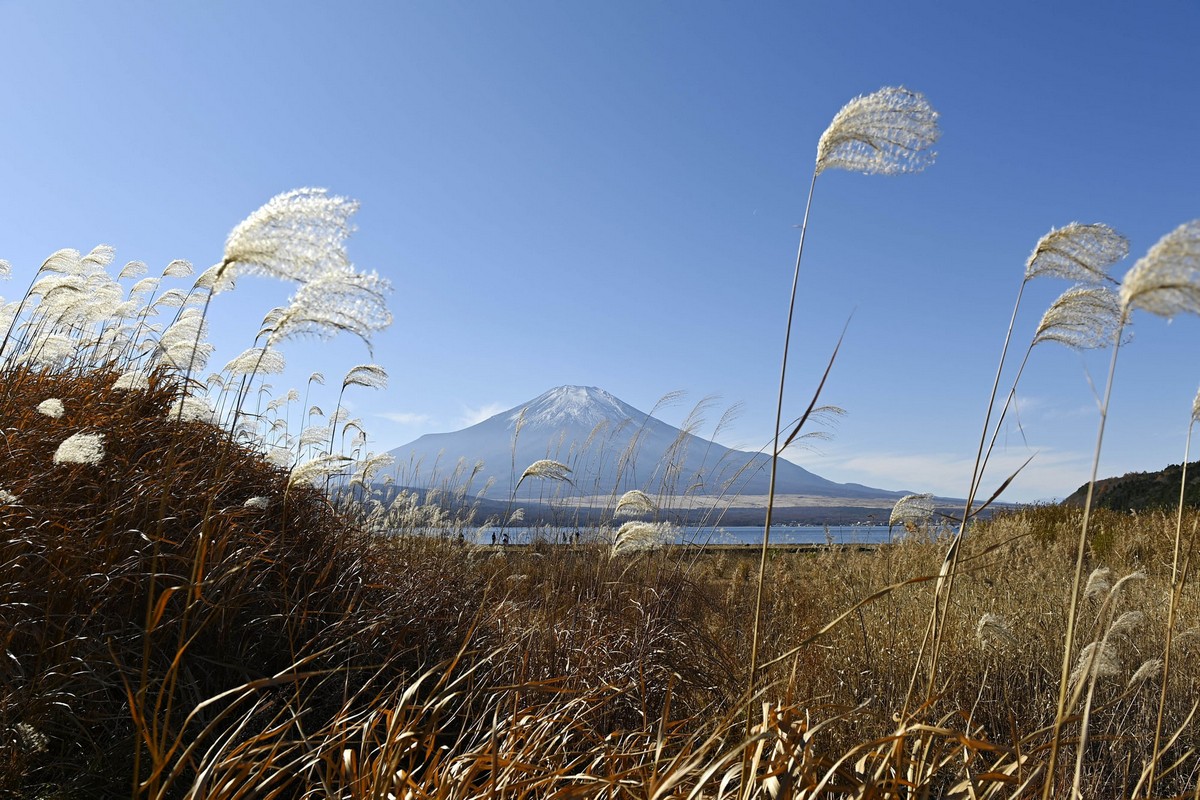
x,y
335,302
1077,252
81,448
1140,575
547,469
635,501
5,270
1150,668
260,360
1082,318
1126,624
634,536
257,503
178,269
131,381
366,468
7,498
992,632
191,409
1097,585
298,235
1166,281
52,408
278,456
517,517
216,279
1098,659
888,132
320,467
134,269
99,257
912,509
184,345
371,376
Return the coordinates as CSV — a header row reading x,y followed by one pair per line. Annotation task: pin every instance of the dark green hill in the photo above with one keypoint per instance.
x,y
1143,491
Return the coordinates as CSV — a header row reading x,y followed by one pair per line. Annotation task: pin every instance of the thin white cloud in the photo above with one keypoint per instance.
x,y
472,416
1051,474
406,417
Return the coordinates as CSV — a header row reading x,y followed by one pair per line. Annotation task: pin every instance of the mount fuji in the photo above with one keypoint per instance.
x,y
610,447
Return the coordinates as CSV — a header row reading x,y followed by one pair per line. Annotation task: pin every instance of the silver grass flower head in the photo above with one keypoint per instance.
x,y
322,466
298,235
517,517
257,503
888,132
633,502
5,270
49,351
993,632
1077,252
31,740
635,536
278,456
178,268
144,286
315,434
916,509
65,262
1127,623
547,469
336,302
216,279
1140,575
373,463
7,498
171,298
1082,318
185,343
52,408
133,269
260,360
99,257
81,448
1150,668
131,381
1166,281
1098,584
1098,659
191,409
371,376
1196,407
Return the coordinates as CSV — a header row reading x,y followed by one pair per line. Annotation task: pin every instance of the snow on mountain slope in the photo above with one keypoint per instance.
x,y
610,447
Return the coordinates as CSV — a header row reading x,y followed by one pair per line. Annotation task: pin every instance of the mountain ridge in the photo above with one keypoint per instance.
x,y
610,447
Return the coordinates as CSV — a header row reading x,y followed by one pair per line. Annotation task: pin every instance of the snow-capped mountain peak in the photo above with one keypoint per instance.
x,y
586,406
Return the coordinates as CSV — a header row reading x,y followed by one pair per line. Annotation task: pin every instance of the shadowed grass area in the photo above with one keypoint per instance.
x,y
154,624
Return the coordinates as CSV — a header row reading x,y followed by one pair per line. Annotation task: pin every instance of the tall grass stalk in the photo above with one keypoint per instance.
x,y
1177,578
1165,282
1074,252
888,132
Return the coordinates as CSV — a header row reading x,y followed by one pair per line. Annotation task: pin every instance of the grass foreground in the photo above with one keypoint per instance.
x,y
178,621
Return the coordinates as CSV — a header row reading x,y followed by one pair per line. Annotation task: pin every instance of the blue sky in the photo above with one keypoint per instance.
x,y
607,194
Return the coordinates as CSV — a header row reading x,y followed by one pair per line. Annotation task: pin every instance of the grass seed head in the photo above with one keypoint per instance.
x,y
1082,318
1077,252
547,469
634,502
52,408
1166,281
888,132
81,448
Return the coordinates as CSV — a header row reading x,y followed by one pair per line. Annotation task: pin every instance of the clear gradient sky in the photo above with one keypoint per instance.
x,y
607,194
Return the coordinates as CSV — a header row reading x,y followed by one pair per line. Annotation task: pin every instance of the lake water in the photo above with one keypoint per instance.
x,y
733,534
